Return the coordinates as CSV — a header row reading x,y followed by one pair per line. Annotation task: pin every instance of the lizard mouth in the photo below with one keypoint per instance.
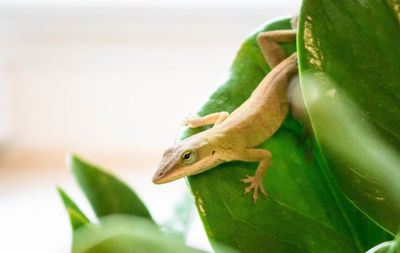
x,y
162,177
158,177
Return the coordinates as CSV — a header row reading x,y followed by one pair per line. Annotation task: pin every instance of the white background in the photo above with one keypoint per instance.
x,y
109,80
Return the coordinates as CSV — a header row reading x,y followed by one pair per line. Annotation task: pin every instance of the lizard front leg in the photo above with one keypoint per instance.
x,y
256,182
216,118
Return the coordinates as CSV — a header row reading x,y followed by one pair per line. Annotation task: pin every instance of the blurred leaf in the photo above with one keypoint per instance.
x,y
76,216
106,193
123,233
370,151
181,220
356,45
305,210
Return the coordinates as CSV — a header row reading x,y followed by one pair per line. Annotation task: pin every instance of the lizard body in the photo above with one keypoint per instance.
x,y
235,136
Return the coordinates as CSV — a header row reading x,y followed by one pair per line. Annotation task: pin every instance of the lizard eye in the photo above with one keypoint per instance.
x,y
188,157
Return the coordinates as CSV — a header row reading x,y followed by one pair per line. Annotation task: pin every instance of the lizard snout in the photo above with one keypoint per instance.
x,y
158,176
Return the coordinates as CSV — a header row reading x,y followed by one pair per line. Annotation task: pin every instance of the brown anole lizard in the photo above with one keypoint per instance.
x,y
235,136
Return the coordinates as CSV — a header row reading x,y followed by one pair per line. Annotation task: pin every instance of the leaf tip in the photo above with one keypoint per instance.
x,y
62,193
71,159
78,165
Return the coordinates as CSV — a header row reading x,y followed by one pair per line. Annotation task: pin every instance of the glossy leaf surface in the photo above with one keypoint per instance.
x,y
305,210
356,45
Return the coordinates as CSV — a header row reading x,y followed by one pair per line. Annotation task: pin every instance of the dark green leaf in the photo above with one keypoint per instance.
x,y
76,216
305,210
106,193
356,45
387,247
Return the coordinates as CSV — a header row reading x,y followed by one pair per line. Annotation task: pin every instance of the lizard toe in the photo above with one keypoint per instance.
x,y
255,186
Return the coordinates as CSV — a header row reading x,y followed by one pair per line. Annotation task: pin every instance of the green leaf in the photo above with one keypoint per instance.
x,y
123,233
387,247
106,193
76,216
305,210
356,45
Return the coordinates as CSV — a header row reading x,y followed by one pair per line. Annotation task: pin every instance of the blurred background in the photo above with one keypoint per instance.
x,y
109,80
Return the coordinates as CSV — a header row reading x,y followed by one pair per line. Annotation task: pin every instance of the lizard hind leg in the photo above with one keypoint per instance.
x,y
271,50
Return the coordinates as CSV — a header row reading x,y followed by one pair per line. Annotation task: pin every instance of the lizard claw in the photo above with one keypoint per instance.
x,y
255,184
188,121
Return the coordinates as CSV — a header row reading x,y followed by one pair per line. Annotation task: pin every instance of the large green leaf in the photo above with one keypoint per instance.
x,y
106,193
305,210
356,44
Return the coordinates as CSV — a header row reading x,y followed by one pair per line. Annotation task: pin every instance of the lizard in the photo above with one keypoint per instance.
x,y
236,136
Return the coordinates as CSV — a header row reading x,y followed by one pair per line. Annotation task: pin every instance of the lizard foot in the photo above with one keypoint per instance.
x,y
189,121
255,184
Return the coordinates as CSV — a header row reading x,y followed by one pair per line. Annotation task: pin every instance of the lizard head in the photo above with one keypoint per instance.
x,y
189,157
